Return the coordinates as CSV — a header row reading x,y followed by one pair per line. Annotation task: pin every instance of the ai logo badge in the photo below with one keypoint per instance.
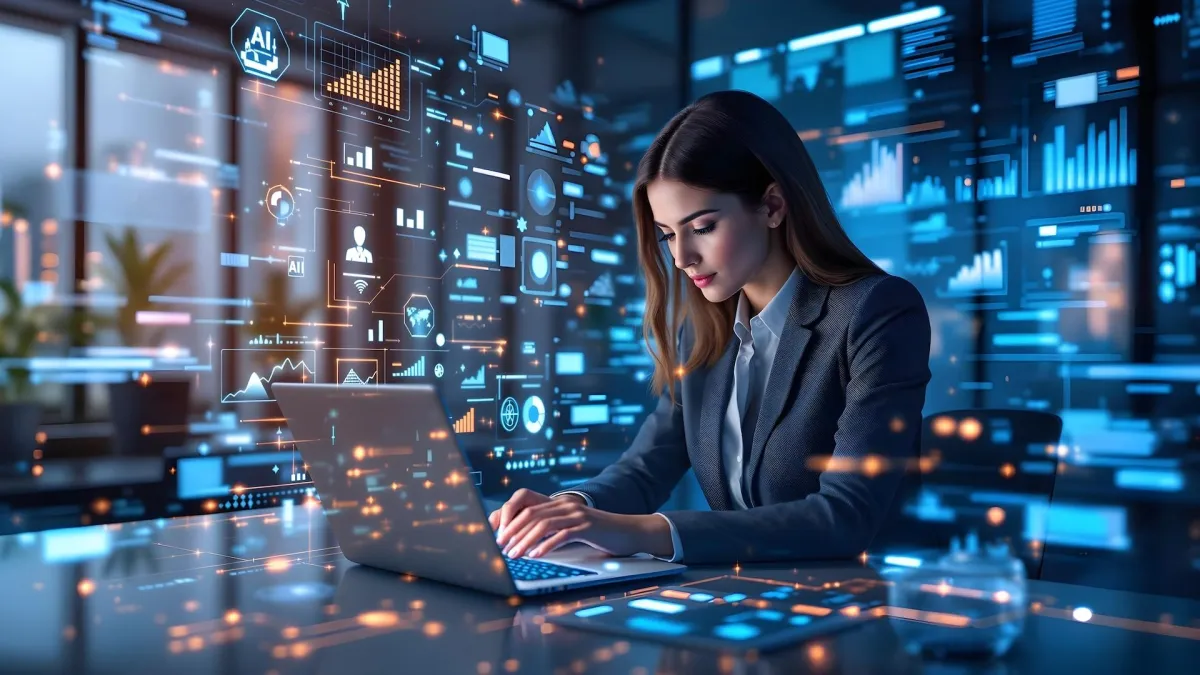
x,y
260,45
295,265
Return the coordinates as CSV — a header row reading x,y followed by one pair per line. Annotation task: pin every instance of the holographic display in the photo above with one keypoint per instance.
x,y
344,204
998,155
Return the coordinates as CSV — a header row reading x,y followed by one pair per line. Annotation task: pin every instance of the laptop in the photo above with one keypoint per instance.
x,y
400,495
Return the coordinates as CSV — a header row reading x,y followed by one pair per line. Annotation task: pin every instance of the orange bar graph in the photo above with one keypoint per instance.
x,y
382,88
466,425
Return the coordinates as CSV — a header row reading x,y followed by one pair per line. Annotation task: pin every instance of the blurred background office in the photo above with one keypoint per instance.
x,y
180,180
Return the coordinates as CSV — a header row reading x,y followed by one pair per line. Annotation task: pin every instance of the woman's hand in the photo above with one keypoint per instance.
x,y
533,524
521,500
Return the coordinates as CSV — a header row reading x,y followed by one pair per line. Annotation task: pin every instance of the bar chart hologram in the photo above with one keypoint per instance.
x,y
376,334
984,275
465,424
358,72
928,192
417,369
359,156
414,223
982,188
1103,160
879,181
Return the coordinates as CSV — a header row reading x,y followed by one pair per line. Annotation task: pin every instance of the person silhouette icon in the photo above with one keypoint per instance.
x,y
358,253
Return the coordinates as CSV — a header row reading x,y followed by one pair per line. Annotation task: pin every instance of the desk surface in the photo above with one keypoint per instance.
x,y
269,592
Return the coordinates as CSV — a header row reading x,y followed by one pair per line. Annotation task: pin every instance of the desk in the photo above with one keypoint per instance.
x,y
268,592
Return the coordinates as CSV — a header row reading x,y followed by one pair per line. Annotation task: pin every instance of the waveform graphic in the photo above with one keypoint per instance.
x,y
466,424
258,389
476,381
276,339
984,275
879,181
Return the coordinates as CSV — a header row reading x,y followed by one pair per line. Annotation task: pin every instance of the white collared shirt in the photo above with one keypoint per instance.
x,y
759,340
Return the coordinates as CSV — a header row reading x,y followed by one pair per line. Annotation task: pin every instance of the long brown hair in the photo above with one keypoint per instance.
x,y
732,142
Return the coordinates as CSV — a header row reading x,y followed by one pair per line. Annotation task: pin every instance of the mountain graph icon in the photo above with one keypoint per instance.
x,y
545,139
258,388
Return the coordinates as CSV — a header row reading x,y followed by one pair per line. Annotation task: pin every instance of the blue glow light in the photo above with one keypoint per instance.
x,y
901,560
650,624
661,606
736,631
593,611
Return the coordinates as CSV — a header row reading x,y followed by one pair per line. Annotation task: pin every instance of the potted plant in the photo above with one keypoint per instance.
x,y
20,326
277,304
146,402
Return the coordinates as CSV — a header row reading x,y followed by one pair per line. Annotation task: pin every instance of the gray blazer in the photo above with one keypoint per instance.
x,y
848,381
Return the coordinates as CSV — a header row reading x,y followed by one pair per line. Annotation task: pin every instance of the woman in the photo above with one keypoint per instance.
x,y
801,366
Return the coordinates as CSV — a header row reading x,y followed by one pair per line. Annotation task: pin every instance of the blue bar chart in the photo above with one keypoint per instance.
x,y
927,192
417,369
879,181
968,189
1103,160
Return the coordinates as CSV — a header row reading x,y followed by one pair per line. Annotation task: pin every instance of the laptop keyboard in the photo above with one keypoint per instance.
x,y
524,569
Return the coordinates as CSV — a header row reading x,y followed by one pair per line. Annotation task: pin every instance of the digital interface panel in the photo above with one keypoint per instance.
x,y
340,199
992,153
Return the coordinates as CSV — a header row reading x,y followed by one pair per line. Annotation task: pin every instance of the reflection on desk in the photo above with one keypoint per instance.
x,y
268,591
60,475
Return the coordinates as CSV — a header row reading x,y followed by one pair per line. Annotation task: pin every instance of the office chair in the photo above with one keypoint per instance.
x,y
991,471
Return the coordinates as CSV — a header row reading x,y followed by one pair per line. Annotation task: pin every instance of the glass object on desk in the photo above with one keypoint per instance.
x,y
967,603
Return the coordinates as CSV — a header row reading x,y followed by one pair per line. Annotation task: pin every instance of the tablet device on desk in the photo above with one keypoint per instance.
x,y
731,614
400,494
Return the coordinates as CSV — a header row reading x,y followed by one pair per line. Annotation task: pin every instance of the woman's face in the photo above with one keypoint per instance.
x,y
713,237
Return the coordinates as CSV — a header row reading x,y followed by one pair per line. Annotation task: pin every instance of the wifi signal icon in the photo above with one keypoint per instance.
x,y
360,285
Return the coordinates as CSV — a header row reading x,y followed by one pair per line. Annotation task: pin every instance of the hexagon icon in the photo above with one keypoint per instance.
x,y
418,316
260,45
